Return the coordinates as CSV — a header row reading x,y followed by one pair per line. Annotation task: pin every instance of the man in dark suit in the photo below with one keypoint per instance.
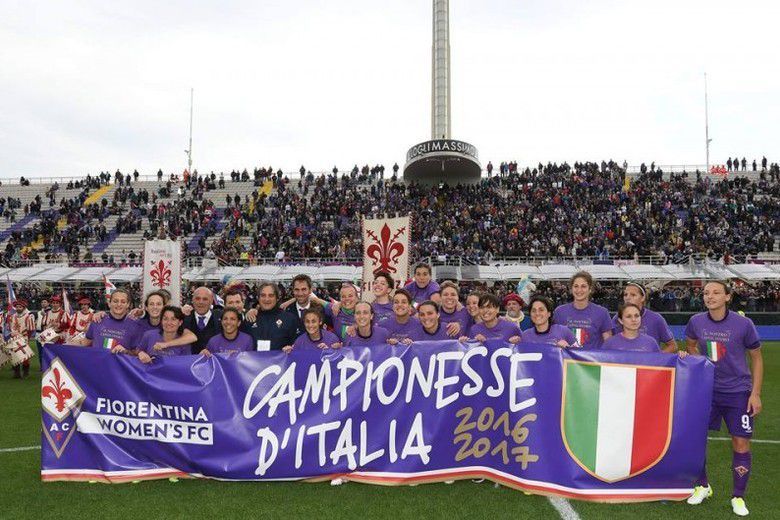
x,y
204,320
235,298
301,288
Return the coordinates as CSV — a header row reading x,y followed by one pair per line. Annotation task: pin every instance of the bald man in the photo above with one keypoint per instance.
x,y
204,320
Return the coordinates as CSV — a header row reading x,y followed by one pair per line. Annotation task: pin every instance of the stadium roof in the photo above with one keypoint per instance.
x,y
756,272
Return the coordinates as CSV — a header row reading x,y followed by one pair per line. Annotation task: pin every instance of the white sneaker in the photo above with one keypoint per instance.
x,y
700,494
336,482
738,506
449,481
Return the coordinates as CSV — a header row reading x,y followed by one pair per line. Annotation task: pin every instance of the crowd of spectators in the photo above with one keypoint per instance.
x,y
555,210
580,210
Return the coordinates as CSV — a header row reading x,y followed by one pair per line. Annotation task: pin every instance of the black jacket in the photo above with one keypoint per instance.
x,y
212,328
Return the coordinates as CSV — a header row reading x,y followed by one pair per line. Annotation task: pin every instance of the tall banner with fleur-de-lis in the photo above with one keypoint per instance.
x,y
385,248
162,268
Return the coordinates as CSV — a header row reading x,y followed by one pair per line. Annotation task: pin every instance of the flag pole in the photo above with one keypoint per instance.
x,y
189,150
706,124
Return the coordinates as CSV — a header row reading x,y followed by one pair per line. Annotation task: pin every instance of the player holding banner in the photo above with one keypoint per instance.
x,y
724,336
589,322
116,329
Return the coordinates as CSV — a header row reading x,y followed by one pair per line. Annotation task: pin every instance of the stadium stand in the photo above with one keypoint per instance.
x,y
602,211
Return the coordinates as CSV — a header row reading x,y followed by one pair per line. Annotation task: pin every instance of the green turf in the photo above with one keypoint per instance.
x,y
22,495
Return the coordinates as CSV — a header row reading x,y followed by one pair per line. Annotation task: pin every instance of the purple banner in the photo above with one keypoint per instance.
x,y
601,426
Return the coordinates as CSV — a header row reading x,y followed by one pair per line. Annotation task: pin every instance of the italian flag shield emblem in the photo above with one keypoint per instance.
x,y
616,420
716,350
581,335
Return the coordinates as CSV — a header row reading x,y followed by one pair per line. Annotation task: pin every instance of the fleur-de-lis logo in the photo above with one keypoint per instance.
x,y
385,251
161,274
61,399
56,389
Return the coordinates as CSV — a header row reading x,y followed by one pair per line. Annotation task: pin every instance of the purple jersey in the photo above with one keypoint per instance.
x,y
150,337
145,325
304,341
653,324
378,336
551,336
587,324
420,294
110,332
340,321
462,317
642,343
501,330
725,342
382,311
401,331
219,344
438,335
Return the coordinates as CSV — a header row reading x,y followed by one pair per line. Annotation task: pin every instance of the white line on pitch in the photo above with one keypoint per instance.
x,y
756,441
21,448
564,508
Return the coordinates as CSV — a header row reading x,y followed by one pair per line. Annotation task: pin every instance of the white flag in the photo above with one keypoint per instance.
x,y
162,268
385,248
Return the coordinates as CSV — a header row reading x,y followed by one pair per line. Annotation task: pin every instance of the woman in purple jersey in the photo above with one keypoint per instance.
x,y
653,324
165,340
366,333
342,312
423,287
472,307
491,326
544,330
590,323
231,339
631,337
383,302
117,332
432,329
453,315
315,336
724,336
402,324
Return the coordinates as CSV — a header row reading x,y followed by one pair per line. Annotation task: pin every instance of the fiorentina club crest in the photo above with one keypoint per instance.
x,y
385,248
161,274
616,420
61,399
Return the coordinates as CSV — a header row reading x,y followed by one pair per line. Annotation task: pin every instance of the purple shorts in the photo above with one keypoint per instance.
x,y
731,408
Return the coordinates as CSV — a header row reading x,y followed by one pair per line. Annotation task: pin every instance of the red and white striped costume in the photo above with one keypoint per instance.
x,y
80,322
57,320
23,323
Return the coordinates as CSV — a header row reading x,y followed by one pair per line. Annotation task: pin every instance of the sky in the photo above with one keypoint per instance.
x,y
87,86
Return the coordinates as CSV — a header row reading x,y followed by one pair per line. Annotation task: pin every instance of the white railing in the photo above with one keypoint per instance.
x,y
699,259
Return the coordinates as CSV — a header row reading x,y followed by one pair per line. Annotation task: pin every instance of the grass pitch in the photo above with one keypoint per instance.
x,y
23,495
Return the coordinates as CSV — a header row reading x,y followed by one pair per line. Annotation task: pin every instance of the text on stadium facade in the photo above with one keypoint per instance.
x,y
442,145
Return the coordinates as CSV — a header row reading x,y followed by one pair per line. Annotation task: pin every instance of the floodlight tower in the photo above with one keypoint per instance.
x,y
442,159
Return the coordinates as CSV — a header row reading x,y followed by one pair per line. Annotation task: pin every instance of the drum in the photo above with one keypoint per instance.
x,y
48,336
19,349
